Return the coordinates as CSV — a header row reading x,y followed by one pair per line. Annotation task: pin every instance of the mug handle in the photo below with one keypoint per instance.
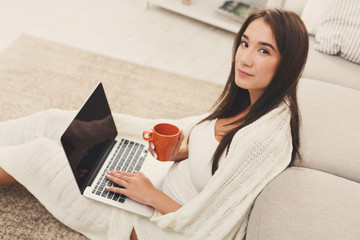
x,y
147,135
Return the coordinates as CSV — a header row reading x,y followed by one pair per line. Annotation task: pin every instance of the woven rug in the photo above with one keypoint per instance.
x,y
36,75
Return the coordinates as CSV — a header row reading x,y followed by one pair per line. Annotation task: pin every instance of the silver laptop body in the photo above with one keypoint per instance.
x,y
93,146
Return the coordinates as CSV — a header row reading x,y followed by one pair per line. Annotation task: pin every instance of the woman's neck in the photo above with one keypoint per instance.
x,y
255,95
224,125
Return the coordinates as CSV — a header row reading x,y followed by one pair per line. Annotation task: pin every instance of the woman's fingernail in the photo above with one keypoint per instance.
x,y
155,155
152,145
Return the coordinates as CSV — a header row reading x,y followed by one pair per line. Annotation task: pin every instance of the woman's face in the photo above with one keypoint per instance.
x,y
257,58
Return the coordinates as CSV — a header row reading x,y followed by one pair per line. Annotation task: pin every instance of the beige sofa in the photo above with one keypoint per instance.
x,y
319,197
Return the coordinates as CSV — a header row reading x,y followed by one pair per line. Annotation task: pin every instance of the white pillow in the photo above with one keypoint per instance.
x,y
339,33
296,6
313,14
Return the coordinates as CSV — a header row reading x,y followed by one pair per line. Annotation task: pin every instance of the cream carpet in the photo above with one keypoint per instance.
x,y
37,75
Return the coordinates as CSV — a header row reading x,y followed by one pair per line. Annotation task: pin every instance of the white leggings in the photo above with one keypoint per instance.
x,y
31,152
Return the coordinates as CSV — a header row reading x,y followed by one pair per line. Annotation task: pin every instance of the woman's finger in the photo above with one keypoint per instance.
x,y
116,190
182,135
118,181
181,138
122,173
152,145
139,173
152,150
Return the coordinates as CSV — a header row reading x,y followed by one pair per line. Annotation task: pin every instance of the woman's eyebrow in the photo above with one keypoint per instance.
x,y
261,43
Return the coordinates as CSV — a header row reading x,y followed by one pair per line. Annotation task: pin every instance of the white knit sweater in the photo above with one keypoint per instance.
x,y
258,153
30,150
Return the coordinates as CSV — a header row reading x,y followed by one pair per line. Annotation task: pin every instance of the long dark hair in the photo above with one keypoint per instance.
x,y
292,41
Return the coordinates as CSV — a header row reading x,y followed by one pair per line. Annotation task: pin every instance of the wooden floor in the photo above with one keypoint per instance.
x,y
123,29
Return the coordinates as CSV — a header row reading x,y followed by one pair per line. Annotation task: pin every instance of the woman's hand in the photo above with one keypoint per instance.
x,y
177,154
136,186
139,188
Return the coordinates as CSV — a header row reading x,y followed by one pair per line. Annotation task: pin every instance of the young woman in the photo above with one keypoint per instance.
x,y
250,137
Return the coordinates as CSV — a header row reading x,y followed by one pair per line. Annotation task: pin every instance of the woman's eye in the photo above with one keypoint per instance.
x,y
244,44
264,51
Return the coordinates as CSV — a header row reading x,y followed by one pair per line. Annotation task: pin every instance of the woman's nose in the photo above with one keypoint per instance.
x,y
246,57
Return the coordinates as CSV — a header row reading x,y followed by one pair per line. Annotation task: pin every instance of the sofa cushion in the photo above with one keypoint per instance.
x,y
306,204
330,128
339,32
333,69
294,5
313,14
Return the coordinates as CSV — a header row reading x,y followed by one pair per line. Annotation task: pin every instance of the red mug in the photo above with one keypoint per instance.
x,y
164,136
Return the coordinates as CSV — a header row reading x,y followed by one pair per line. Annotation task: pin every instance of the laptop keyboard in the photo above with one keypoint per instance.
x,y
128,157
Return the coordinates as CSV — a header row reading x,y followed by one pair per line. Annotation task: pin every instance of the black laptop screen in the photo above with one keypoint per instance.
x,y
88,136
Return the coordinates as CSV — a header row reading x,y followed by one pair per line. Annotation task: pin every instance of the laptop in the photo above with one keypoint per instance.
x,y
93,146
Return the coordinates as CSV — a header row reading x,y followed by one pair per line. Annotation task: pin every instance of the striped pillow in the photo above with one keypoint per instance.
x,y
339,32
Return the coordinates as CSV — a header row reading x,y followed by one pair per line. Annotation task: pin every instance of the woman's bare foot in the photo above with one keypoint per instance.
x,y
5,178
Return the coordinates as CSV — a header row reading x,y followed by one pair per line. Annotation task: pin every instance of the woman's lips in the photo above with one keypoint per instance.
x,y
244,74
